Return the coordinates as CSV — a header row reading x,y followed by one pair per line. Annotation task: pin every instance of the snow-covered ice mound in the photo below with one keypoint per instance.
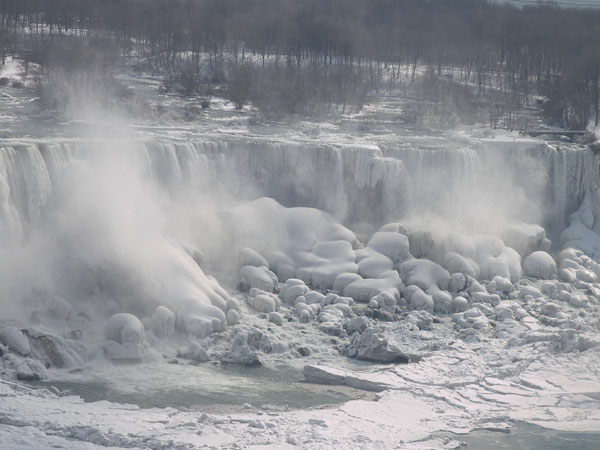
x,y
540,265
297,242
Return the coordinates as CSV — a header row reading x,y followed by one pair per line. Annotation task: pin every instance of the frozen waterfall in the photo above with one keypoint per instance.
x,y
527,180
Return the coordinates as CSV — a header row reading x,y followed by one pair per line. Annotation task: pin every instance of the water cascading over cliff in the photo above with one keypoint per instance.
x,y
530,181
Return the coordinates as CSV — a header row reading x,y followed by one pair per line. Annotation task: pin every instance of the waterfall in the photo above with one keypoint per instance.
x,y
531,180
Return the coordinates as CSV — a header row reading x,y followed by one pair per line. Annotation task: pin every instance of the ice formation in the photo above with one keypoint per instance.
x,y
302,243
417,254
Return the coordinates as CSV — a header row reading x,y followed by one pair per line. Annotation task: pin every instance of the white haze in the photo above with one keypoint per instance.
x,y
107,241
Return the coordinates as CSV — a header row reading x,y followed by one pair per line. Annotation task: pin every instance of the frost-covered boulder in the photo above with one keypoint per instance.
x,y
373,346
343,280
330,314
551,309
485,298
504,312
471,323
579,300
326,260
163,322
567,275
571,264
332,328
460,304
549,289
246,342
31,370
198,318
276,318
457,282
500,285
495,259
526,238
424,273
394,227
385,300
391,244
289,293
257,277
124,328
233,317
442,300
421,319
586,276
249,257
568,253
374,264
362,290
200,355
314,297
263,301
356,324
456,263
184,288
124,334
419,300
540,265
304,312
15,340
530,291
507,264
298,242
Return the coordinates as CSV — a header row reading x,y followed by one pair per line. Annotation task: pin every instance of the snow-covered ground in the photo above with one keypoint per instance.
x,y
354,283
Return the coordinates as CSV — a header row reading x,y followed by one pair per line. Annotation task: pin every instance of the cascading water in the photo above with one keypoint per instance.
x,y
533,182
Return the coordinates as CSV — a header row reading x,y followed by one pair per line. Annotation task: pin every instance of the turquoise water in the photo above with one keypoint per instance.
x,y
189,386
524,436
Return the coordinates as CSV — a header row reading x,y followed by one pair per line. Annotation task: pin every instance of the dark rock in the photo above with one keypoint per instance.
x,y
384,316
356,324
249,360
304,351
44,349
23,376
332,329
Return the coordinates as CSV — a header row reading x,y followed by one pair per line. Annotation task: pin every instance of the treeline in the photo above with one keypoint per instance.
x,y
503,53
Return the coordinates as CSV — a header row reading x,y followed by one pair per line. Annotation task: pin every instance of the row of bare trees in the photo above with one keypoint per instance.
x,y
495,49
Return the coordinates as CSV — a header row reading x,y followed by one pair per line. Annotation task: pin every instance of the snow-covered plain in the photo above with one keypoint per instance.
x,y
424,286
